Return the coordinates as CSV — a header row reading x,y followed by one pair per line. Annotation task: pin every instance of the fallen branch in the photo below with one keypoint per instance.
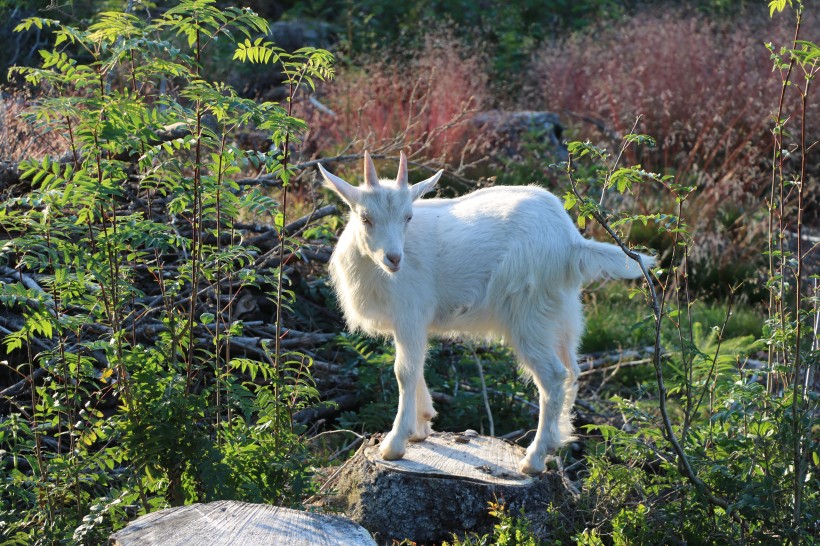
x,y
623,358
21,386
291,229
327,408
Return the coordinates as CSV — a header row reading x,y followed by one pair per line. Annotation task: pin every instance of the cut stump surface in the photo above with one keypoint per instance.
x,y
240,524
441,486
466,456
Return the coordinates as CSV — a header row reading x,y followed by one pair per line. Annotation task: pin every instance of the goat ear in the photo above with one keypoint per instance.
x,y
347,192
371,177
401,177
417,190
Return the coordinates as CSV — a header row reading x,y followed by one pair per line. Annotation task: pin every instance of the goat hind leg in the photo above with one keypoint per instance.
x,y
570,361
550,377
424,412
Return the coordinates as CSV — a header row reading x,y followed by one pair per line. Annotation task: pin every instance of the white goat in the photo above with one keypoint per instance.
x,y
501,262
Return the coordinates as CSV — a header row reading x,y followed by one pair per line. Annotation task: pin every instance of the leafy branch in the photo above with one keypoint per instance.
x,y
127,270
623,178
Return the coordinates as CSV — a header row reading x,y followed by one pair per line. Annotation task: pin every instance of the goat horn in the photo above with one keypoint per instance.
x,y
371,177
401,177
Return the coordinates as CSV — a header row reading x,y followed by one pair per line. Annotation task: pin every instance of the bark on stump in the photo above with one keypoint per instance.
x,y
239,523
441,486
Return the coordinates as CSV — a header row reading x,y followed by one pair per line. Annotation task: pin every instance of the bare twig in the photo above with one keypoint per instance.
x,y
432,167
484,390
321,107
571,487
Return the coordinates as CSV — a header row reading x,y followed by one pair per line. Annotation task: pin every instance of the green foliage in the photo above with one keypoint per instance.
x,y
720,451
778,6
511,29
509,531
617,318
193,421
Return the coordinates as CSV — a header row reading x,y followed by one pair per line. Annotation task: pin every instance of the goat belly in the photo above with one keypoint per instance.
x,y
471,320
448,318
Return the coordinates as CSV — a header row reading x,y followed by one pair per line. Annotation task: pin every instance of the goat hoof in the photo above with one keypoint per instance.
x,y
422,433
389,451
531,467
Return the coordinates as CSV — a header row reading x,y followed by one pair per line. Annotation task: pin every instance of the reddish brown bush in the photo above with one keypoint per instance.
x,y
704,91
422,105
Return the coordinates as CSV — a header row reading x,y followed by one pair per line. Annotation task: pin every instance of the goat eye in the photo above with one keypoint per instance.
x,y
409,218
366,221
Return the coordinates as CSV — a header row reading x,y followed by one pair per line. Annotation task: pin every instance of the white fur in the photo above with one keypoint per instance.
x,y
501,262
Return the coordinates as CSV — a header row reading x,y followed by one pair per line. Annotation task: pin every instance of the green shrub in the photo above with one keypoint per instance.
x,y
724,450
511,29
510,530
132,308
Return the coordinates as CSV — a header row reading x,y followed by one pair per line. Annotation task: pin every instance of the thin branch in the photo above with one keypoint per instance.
x,y
669,431
484,390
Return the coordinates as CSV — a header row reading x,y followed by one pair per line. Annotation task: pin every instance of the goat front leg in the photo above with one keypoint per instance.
x,y
409,369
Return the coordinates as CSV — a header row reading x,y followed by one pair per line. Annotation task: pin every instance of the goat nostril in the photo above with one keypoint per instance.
x,y
394,259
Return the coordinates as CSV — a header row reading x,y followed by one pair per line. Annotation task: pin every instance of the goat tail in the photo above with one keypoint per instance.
x,y
603,260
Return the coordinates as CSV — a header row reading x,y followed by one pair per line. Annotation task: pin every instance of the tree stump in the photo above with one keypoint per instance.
x,y
442,486
239,523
